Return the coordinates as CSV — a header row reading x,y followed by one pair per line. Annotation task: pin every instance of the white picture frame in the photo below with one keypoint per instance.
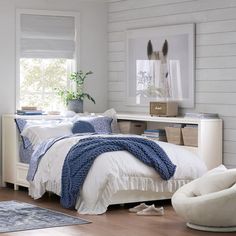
x,y
160,65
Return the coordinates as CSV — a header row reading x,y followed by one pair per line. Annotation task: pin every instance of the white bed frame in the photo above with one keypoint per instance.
x,y
209,149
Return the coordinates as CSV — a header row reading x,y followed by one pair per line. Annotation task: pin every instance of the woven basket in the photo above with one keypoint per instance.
x,y
132,127
174,135
190,136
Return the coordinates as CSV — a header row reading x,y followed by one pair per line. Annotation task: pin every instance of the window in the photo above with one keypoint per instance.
x,y
38,79
47,56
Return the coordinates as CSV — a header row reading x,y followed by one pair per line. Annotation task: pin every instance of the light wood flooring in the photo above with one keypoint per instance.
x,y
117,221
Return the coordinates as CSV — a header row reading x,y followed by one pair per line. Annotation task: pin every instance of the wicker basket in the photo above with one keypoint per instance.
x,y
132,127
174,135
190,136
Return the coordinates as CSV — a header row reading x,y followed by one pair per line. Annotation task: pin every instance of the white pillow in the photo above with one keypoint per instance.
x,y
114,125
23,123
39,133
215,180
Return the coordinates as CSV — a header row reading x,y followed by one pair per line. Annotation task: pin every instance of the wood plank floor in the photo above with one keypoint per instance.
x,y
117,221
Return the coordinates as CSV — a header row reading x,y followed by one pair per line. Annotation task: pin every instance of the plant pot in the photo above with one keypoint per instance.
x,y
75,105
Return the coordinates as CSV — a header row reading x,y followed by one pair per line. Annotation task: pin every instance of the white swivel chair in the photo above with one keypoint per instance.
x,y
209,203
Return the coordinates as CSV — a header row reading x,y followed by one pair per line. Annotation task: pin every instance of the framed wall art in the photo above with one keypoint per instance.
x,y
160,65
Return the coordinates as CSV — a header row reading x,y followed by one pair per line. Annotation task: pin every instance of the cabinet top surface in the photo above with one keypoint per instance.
x,y
144,117
130,116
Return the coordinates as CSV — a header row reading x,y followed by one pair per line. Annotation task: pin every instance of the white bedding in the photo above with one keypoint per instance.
x,y
111,172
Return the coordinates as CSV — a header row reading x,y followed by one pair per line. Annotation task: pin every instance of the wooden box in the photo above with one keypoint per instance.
x,y
169,108
132,127
174,135
190,136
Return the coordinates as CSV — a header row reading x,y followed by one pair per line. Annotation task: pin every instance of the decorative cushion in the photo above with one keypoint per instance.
x,y
218,179
100,125
111,113
82,126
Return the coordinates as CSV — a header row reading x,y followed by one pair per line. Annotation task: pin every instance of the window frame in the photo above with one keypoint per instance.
x,y
19,12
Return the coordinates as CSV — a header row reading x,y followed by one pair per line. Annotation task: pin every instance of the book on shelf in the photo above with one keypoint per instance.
x,y
29,108
29,112
191,126
154,131
202,115
155,134
156,138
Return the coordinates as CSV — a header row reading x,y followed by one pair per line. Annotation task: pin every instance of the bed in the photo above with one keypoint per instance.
x,y
115,177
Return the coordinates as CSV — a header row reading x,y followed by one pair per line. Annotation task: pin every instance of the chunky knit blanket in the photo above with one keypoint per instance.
x,y
82,155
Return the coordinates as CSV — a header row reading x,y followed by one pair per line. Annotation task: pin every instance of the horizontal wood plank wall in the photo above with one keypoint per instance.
x,y
215,86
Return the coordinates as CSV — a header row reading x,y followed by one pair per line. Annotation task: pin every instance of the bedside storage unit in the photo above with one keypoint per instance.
x,y
209,134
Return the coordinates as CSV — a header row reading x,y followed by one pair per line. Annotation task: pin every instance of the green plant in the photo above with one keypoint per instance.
x,y
79,79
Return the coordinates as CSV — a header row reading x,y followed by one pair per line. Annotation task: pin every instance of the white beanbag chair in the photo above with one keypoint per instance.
x,y
209,202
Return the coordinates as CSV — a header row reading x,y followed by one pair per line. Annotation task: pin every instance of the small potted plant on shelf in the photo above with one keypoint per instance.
x,y
74,98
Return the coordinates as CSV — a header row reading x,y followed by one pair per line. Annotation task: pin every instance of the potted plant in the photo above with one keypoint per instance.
x,y
74,98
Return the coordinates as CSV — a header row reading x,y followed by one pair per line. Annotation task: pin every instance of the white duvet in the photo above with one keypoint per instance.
x,y
111,172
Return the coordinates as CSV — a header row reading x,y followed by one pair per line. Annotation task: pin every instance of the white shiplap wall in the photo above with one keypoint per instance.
x,y
215,86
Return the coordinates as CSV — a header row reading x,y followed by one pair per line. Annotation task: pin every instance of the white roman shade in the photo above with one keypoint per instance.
x,y
46,36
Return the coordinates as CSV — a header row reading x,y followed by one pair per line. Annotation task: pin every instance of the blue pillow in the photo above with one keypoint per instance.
x,y
98,125
81,126
20,123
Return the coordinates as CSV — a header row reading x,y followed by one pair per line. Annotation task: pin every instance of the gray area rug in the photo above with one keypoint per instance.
x,y
17,216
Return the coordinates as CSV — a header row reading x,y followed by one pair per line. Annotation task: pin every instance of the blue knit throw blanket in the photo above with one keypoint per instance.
x,y
82,155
